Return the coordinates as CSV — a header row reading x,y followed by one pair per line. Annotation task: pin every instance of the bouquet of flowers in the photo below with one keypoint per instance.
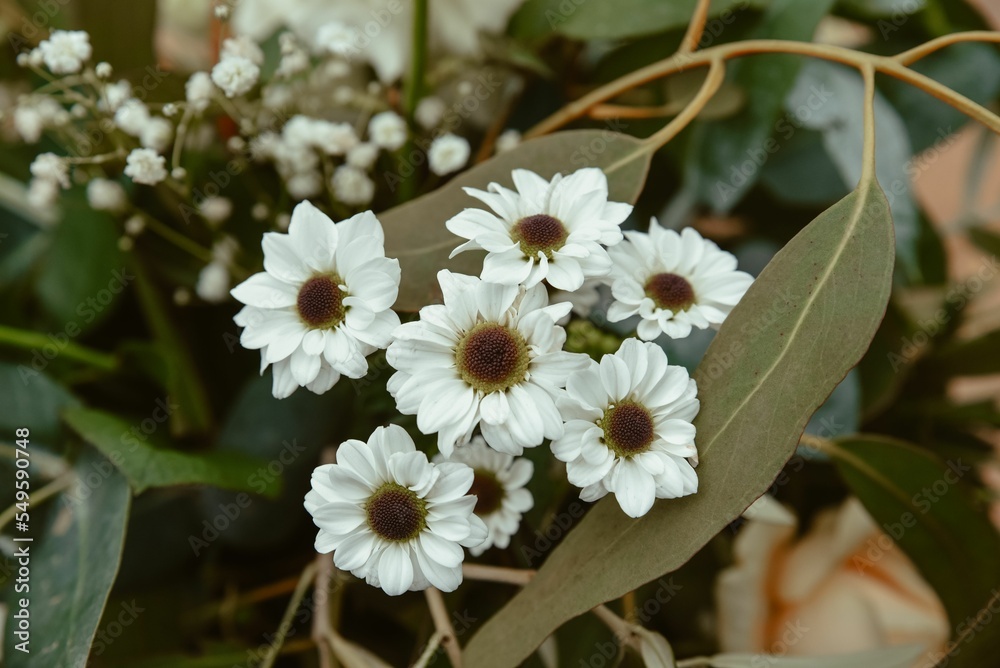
x,y
624,333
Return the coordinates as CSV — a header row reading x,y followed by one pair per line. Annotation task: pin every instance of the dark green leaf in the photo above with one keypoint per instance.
x,y
928,507
130,447
628,18
73,565
415,232
184,384
31,399
774,362
83,273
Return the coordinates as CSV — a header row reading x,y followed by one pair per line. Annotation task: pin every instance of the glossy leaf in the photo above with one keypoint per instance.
x,y
928,507
415,232
147,465
629,18
73,565
776,359
33,400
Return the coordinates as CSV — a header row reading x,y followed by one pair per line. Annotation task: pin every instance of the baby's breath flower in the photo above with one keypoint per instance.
x,y
352,186
106,195
388,130
65,51
429,112
235,76
362,156
144,165
199,90
448,153
242,47
50,167
215,210
508,140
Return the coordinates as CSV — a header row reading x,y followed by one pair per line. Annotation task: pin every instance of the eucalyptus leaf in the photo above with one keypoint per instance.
x,y
73,566
901,656
840,119
33,400
927,505
415,232
130,447
775,360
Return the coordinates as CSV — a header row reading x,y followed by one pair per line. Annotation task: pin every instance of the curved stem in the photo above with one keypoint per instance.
x,y
517,576
681,61
916,53
696,28
308,575
716,75
868,151
442,623
20,338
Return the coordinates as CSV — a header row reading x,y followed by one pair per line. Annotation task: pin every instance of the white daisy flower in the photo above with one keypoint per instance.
x,y
323,302
392,517
498,486
546,230
674,282
628,428
491,355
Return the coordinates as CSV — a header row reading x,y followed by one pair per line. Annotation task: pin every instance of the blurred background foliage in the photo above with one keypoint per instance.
x,y
211,565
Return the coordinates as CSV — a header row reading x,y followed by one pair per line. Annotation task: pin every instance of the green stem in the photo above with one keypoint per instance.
x,y
418,58
20,338
308,575
176,238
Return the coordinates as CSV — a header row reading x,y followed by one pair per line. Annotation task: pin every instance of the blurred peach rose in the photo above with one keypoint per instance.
x,y
844,587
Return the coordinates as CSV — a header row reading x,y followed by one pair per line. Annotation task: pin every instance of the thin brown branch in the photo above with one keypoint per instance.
x,y
442,623
696,28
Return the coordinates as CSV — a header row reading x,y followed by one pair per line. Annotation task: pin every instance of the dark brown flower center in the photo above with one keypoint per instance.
x,y
628,429
396,513
488,491
321,302
540,232
492,357
670,291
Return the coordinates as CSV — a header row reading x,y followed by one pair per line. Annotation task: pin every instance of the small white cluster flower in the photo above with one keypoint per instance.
x,y
131,117
235,75
387,130
50,167
508,141
215,210
35,113
114,96
199,90
430,112
42,193
106,195
156,133
65,51
363,156
103,70
213,283
337,38
242,47
448,153
352,186
144,165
